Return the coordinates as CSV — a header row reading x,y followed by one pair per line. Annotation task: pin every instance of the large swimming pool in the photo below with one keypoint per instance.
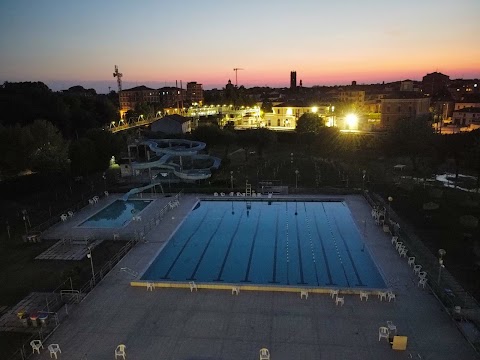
x,y
262,242
116,215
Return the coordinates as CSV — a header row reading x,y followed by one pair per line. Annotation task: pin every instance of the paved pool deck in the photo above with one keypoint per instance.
x,y
212,324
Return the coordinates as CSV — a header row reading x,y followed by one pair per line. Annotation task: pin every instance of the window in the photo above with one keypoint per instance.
x,y
278,122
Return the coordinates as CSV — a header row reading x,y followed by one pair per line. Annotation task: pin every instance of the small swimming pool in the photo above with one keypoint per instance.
x,y
117,214
268,242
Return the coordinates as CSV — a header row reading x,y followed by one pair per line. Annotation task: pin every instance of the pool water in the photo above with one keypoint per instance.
x,y
117,214
262,242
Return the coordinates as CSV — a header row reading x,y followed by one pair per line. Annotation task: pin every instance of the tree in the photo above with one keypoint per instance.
x,y
49,151
309,122
411,137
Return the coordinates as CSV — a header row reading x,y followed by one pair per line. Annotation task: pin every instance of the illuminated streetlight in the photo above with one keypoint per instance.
x,y
441,254
352,121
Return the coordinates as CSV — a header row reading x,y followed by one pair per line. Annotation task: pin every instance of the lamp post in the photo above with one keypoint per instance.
x,y
89,255
296,178
231,179
104,177
364,172
441,254
25,217
390,199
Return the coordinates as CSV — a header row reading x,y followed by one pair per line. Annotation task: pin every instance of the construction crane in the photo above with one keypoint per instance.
x,y
236,75
118,75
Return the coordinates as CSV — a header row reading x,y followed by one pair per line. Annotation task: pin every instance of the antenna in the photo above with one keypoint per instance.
x,y
236,75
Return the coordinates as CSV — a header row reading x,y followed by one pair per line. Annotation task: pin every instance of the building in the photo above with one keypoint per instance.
x,y
434,82
130,98
285,115
401,105
467,117
172,124
194,92
352,96
171,96
293,80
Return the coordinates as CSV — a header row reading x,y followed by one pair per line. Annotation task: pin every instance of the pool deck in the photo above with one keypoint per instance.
x,y
214,324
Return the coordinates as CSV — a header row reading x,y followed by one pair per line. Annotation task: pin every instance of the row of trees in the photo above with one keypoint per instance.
x,y
41,147
73,111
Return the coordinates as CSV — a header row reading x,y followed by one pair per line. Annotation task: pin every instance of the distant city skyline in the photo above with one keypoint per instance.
x,y
78,43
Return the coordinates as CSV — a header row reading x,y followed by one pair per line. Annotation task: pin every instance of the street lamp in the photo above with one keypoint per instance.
x,y
364,172
441,254
104,177
89,255
390,199
231,179
25,219
296,178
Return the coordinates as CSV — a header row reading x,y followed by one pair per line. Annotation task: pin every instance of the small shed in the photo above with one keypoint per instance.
x,y
172,124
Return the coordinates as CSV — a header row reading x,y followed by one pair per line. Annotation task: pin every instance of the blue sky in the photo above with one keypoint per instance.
x,y
157,42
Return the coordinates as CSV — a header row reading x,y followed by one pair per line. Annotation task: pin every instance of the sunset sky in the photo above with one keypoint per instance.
x,y
64,43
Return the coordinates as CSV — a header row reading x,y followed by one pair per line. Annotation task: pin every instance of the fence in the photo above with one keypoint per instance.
x,y
56,301
460,305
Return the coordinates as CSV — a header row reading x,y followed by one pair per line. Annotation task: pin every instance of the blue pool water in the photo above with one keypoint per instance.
x,y
117,214
261,242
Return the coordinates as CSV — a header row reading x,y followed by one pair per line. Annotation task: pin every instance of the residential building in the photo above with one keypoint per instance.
x,y
401,105
467,117
194,92
129,98
285,115
434,82
352,96
171,96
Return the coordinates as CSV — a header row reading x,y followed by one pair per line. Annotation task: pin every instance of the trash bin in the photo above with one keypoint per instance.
x,y
34,319
24,318
43,318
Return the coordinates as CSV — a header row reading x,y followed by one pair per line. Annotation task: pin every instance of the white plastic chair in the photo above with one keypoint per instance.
x,y
422,282
36,345
411,261
106,193
391,296
231,194
399,245
222,194
120,351
235,290
150,286
422,274
340,300
333,293
363,295
70,213
383,333
382,295
417,268
403,252
193,286
304,293
215,194
90,201
391,326
54,349
63,217
394,240
264,354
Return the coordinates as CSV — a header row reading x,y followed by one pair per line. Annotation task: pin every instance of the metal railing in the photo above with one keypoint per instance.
x,y
460,305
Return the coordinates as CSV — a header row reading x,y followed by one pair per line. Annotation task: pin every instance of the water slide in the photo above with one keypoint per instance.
x,y
169,150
